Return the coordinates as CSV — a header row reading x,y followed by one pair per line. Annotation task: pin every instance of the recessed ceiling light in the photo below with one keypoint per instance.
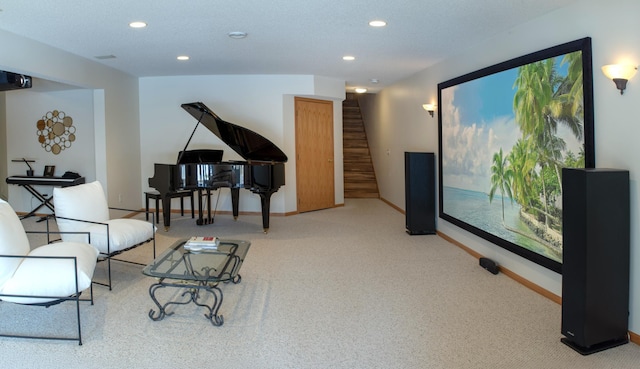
x,y
374,80
137,24
348,57
237,35
361,90
183,57
377,23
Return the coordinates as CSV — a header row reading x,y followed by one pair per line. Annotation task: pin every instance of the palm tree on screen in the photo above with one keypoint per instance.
x,y
522,160
501,176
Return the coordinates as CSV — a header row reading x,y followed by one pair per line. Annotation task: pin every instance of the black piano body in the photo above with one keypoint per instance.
x,y
262,173
261,178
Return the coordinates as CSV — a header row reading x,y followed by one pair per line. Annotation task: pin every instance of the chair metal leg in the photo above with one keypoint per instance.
x,y
109,270
78,316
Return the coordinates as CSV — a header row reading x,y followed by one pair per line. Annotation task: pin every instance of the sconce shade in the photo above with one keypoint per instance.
x,y
618,71
430,108
619,74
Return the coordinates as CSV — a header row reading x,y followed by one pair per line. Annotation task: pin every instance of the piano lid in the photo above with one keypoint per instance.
x,y
250,145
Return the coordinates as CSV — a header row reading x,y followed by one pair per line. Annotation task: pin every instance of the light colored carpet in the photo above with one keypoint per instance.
x,y
337,288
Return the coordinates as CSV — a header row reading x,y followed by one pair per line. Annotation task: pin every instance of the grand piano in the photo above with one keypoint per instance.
x,y
262,172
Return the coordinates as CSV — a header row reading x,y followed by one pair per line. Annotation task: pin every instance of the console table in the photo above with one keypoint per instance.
x,y
196,272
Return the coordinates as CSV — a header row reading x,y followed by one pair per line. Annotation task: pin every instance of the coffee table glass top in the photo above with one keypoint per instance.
x,y
218,265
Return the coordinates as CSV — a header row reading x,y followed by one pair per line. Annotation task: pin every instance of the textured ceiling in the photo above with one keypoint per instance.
x,y
284,36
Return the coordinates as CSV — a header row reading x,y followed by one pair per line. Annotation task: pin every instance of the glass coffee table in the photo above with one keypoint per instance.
x,y
198,273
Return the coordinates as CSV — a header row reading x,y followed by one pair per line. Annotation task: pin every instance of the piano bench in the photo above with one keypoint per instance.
x,y
155,195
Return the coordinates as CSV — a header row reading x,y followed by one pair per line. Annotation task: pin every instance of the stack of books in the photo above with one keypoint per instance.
x,y
197,243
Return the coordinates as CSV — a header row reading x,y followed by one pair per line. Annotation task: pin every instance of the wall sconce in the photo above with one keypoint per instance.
x,y
620,74
430,108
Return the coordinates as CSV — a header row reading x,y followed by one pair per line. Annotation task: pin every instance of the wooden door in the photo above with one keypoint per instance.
x,y
314,154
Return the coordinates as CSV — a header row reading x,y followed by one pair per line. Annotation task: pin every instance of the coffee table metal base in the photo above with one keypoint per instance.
x,y
193,290
196,274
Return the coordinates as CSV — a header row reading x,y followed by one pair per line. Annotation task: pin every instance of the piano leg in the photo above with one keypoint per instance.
x,y
265,201
209,218
235,200
200,221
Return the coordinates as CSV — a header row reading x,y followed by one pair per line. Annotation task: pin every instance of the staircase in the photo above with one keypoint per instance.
x,y
359,176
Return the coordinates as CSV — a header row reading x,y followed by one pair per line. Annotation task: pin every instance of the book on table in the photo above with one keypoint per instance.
x,y
202,243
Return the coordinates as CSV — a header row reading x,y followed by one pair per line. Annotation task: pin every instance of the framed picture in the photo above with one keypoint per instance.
x,y
505,132
49,170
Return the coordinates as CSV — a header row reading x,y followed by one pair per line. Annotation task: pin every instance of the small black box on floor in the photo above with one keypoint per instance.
x,y
489,265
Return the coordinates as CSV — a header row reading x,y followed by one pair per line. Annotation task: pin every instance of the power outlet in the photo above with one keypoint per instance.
x,y
119,198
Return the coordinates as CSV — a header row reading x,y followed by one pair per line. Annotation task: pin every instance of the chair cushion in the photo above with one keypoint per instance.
x,y
13,241
86,201
52,277
123,234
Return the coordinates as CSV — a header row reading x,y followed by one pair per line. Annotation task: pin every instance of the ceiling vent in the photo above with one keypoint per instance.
x,y
14,81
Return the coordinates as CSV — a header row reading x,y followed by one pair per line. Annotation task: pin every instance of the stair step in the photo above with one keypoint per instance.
x,y
346,120
355,132
359,195
358,166
360,187
358,172
348,139
356,151
363,171
360,180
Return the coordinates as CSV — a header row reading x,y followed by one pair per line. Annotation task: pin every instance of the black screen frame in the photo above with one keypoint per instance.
x,y
583,45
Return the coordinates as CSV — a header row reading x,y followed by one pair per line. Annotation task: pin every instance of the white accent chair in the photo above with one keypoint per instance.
x,y
83,208
46,275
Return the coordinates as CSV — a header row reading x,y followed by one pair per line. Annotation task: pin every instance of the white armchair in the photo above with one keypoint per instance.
x,y
83,208
46,275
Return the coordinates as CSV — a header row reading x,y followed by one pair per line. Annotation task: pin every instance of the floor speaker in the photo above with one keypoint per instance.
x,y
595,268
420,192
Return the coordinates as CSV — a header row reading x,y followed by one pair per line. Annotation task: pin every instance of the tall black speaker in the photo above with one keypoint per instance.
x,y
420,192
595,266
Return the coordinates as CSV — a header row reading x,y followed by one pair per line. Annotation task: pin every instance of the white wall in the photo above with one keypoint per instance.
x,y
261,103
21,127
398,123
117,148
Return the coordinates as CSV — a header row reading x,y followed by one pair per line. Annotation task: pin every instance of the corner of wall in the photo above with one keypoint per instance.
x,y
330,88
4,193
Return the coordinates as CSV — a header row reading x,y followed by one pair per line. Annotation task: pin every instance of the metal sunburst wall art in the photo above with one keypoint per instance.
x,y
56,131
